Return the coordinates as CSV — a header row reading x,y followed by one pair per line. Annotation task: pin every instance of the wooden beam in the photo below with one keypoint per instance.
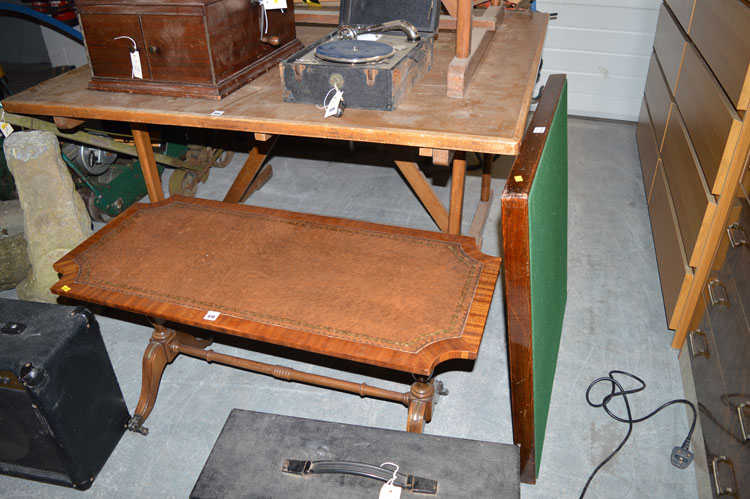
x,y
487,161
451,6
463,28
263,176
263,137
63,123
316,16
463,65
480,219
458,178
448,23
424,192
254,161
148,164
440,157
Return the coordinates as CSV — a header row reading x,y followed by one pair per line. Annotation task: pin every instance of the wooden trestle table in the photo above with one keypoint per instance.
x,y
490,119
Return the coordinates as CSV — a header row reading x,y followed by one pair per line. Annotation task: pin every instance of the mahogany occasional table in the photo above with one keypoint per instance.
x,y
391,297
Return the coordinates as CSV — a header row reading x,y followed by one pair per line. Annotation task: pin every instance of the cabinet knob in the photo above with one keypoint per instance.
x,y
152,49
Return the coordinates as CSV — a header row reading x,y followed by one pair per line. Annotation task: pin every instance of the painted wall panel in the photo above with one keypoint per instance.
x,y
604,47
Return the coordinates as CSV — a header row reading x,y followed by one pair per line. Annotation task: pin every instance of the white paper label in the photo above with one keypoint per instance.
x,y
540,129
211,316
390,491
217,113
135,60
369,36
6,128
274,4
333,106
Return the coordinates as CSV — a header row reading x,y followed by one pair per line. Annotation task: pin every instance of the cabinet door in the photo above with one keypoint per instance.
x,y
177,48
110,58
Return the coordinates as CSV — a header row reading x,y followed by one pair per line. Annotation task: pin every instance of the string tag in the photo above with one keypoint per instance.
x,y
390,490
333,108
135,58
6,128
274,4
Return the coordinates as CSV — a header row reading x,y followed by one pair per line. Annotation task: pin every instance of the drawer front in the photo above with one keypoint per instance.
x,y
669,45
720,31
110,58
683,11
731,335
711,121
647,148
177,48
659,99
737,238
674,273
693,203
709,385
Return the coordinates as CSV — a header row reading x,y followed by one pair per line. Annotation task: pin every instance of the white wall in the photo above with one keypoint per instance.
x,y
604,47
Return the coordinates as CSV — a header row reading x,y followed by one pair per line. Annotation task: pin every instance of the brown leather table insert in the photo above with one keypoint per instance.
x,y
388,296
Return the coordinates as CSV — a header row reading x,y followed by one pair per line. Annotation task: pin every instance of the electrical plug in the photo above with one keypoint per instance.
x,y
682,457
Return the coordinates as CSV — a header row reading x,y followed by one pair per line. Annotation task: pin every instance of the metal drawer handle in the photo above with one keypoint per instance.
x,y
694,351
718,293
736,230
740,415
732,489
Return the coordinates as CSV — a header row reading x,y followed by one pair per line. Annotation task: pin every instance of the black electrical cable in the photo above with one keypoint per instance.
x,y
629,420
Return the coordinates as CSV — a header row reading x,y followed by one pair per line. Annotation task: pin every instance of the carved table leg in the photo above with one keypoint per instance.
x,y
422,398
158,354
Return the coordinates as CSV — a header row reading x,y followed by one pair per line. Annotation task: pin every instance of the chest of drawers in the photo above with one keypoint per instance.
x,y
693,138
719,352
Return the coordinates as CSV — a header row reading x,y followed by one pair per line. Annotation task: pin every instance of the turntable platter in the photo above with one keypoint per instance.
x,y
354,51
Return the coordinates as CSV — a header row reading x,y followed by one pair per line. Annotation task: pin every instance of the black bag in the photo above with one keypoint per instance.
x,y
61,408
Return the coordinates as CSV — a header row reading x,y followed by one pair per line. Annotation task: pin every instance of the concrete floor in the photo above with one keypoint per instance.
x,y
614,320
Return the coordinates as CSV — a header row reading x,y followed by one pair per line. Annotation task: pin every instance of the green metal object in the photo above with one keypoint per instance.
x,y
121,185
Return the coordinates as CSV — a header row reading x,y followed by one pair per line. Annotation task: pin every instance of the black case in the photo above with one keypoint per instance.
x,y
371,85
61,408
248,458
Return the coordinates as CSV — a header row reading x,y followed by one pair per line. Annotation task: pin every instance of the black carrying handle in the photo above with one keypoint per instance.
x,y
409,482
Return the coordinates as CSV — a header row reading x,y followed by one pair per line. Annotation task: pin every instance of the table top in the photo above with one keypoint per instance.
x,y
490,118
387,296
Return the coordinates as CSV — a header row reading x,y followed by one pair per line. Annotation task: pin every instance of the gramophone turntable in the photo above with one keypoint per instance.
x,y
372,58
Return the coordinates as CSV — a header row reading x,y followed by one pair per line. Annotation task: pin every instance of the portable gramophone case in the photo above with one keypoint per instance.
x,y
379,84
